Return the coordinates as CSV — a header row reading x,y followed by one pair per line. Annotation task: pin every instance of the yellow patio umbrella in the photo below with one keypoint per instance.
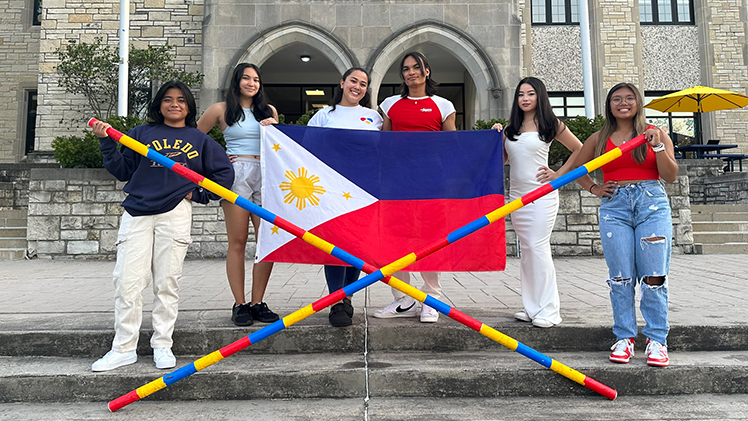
x,y
698,99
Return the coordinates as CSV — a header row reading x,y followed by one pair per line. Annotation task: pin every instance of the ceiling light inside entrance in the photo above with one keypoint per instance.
x,y
305,59
314,92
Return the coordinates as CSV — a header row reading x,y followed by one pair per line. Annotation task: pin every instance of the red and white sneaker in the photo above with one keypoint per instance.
x,y
622,351
656,354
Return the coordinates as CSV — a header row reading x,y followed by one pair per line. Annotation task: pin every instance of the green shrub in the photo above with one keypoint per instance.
x,y
83,152
486,125
217,135
304,119
582,127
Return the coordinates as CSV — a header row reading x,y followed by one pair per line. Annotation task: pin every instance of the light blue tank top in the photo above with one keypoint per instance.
x,y
243,137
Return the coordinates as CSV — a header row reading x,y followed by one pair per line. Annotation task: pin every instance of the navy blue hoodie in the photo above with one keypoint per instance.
x,y
153,189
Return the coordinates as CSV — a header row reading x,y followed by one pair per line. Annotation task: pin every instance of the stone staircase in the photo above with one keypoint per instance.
x,y
13,234
48,359
720,229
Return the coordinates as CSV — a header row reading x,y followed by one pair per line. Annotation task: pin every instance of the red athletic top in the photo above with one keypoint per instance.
x,y
626,168
417,114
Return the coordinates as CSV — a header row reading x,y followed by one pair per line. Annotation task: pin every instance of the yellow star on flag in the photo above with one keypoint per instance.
x,y
276,147
346,195
274,229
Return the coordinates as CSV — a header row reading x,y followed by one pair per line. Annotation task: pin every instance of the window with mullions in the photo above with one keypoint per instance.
x,y
666,12
686,124
555,12
36,18
567,104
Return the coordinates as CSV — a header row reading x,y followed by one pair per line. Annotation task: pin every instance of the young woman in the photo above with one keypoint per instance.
x,y
417,108
155,229
350,109
532,128
240,118
635,224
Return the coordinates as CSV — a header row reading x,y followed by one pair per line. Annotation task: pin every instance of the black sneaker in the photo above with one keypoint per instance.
x,y
339,316
241,315
348,307
262,313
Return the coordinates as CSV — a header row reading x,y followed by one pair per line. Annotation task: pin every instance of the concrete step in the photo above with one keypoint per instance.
x,y
730,248
719,217
13,243
716,237
200,333
13,214
12,254
696,407
417,374
718,208
6,232
721,226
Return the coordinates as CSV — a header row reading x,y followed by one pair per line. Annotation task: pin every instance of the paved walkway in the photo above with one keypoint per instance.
x,y
704,289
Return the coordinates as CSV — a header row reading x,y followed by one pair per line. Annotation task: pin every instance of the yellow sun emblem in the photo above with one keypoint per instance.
x,y
302,188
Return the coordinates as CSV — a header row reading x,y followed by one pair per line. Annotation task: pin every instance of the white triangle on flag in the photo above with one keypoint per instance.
x,y
301,189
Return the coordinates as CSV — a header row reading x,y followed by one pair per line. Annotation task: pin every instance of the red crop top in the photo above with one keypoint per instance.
x,y
626,168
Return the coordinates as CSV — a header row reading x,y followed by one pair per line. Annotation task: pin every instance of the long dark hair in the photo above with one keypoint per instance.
x,y
545,119
610,125
234,112
154,109
424,63
365,100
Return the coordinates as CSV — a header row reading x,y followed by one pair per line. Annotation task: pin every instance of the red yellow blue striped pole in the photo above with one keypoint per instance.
x,y
374,275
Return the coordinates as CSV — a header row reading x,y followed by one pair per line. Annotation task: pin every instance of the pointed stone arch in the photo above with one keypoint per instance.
x,y
268,43
462,46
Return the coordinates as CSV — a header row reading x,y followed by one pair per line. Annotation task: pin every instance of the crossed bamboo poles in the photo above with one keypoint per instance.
x,y
374,274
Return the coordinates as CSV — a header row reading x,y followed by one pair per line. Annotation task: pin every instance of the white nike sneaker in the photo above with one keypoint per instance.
x,y
429,314
164,358
401,307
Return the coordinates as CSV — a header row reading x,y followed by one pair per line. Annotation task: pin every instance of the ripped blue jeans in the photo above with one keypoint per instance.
x,y
636,231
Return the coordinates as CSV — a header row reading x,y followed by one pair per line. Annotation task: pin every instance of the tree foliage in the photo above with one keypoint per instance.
x,y
92,70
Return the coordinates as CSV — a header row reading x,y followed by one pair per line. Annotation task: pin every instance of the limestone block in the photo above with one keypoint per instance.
x,y
571,250
211,228
50,247
107,241
152,32
89,209
80,18
579,219
54,185
215,250
67,197
82,247
100,222
569,202
39,196
49,209
43,228
196,10
115,196
155,4
74,235
563,238
70,222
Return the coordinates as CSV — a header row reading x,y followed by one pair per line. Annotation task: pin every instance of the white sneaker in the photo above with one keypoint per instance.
x,y
522,316
114,359
401,307
164,358
429,314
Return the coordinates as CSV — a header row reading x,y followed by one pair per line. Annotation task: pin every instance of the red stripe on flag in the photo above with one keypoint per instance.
x,y
287,226
536,194
328,300
187,173
431,248
465,319
235,347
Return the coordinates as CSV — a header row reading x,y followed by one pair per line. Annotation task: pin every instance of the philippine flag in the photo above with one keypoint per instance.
x,y
382,195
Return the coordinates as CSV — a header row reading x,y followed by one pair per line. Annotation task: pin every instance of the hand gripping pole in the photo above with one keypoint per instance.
x,y
383,274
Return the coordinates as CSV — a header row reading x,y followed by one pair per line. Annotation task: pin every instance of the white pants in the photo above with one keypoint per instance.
x,y
533,225
430,283
149,247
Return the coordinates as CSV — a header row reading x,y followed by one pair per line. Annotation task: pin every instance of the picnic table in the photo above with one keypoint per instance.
x,y
713,152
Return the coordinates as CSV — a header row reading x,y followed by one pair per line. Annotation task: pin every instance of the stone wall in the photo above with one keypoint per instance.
x,y
15,179
75,213
19,51
577,233
710,185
